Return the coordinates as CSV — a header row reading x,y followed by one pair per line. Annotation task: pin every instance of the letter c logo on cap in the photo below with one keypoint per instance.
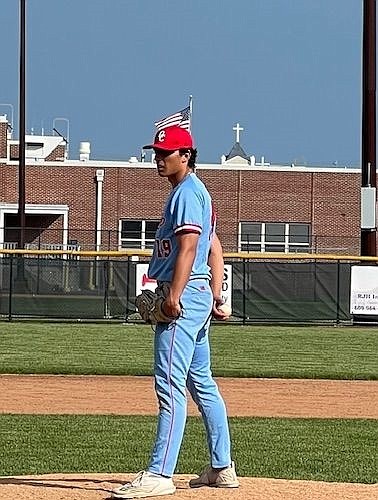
x,y
161,136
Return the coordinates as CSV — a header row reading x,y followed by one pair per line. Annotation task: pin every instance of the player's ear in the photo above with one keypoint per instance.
x,y
187,154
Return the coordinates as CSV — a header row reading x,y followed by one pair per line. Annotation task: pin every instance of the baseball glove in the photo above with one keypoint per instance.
x,y
149,305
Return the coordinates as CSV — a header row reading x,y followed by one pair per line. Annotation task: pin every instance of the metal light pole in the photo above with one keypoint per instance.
x,y
368,156
21,154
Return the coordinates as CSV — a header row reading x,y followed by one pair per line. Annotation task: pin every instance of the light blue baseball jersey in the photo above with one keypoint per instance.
x,y
188,209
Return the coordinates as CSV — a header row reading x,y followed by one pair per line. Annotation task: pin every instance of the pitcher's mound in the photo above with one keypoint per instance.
x,y
99,486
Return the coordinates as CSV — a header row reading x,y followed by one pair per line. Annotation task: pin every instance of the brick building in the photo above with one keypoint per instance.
x,y
104,205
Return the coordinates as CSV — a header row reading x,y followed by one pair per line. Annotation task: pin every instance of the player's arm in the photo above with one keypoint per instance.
x,y
216,263
217,267
187,247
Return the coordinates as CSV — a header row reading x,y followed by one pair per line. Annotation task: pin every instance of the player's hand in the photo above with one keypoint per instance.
x,y
218,313
171,307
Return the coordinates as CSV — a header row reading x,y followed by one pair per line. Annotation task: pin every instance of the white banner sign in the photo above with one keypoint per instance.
x,y
364,290
143,282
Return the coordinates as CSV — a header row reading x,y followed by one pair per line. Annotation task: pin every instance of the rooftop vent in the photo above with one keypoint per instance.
x,y
84,150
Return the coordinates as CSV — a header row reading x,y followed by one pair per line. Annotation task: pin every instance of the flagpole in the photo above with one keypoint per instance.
x,y
190,112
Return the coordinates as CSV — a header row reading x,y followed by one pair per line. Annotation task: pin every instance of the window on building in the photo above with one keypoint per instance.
x,y
273,237
137,233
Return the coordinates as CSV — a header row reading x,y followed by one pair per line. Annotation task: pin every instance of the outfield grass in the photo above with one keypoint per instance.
x,y
309,449
239,351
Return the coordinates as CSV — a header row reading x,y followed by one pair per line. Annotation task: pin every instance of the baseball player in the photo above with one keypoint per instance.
x,y
185,245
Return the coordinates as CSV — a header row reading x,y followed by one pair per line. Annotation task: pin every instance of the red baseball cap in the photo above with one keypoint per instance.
x,y
171,138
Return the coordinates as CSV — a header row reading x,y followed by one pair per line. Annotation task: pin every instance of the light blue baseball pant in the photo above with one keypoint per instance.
x,y
182,360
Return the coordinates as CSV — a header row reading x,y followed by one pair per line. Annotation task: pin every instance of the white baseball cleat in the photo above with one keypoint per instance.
x,y
223,478
146,484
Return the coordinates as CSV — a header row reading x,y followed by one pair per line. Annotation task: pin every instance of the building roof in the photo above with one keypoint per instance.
x,y
237,150
39,147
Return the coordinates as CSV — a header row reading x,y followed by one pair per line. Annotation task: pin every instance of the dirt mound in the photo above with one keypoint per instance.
x,y
99,486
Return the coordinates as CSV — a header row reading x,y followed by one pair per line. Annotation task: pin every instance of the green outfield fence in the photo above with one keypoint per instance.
x,y
85,285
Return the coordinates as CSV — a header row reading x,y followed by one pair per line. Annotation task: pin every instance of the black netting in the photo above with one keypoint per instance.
x,y
97,289
291,291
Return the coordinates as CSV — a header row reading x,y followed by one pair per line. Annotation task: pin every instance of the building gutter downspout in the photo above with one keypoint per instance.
x,y
100,180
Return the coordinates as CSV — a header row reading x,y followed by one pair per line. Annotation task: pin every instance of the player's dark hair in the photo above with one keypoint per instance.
x,y
193,157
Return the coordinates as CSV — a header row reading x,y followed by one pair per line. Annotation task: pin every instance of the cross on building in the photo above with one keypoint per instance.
x,y
238,129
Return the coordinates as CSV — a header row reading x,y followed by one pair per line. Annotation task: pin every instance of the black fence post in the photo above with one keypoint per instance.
x,y
338,293
244,293
38,263
106,287
127,288
10,287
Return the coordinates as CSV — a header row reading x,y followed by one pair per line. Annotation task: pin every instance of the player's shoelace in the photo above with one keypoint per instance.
x,y
137,481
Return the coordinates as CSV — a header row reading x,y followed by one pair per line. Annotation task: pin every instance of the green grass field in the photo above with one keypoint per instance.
x,y
327,450
238,351
319,449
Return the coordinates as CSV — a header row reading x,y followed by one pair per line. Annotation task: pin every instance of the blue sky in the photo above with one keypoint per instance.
x,y
289,71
